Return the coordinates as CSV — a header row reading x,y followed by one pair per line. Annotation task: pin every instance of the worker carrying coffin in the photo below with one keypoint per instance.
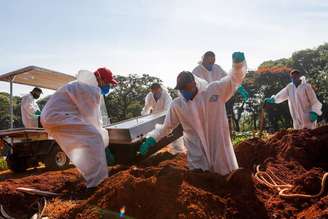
x,y
304,105
157,100
72,117
201,112
30,110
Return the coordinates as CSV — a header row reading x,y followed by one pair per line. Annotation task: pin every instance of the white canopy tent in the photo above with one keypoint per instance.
x,y
37,77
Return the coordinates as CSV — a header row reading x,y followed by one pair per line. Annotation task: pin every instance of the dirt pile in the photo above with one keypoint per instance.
x,y
163,187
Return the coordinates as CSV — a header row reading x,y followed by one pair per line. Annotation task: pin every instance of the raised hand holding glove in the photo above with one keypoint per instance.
x,y
238,57
243,93
269,100
313,116
148,143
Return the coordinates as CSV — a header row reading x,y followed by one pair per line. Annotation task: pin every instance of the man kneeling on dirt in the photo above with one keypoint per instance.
x,y
201,112
72,117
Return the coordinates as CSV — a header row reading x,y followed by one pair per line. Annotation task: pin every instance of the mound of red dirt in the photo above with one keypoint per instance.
x,y
163,187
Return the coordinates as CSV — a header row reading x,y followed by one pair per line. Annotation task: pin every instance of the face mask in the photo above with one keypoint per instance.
x,y
209,67
186,94
295,82
105,89
292,80
157,96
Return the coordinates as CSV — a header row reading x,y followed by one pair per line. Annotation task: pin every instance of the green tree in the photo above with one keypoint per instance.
x,y
4,111
127,99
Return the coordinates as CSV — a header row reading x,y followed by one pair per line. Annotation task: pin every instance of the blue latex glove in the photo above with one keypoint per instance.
x,y
238,57
109,157
148,143
313,116
269,100
241,90
37,113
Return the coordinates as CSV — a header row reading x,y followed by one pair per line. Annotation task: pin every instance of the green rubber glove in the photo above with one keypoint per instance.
x,y
243,93
109,157
313,116
269,100
238,57
148,143
37,113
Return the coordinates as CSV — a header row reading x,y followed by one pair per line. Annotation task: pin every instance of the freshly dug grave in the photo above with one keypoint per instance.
x,y
163,187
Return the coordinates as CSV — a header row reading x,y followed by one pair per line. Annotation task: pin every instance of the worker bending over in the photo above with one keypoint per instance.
x,y
72,117
157,100
30,110
304,105
201,112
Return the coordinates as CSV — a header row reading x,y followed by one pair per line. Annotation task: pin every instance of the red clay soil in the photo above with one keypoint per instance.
x,y
163,187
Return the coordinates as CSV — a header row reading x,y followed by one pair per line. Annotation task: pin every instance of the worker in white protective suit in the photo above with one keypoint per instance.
x,y
209,71
72,117
157,100
201,112
30,110
303,103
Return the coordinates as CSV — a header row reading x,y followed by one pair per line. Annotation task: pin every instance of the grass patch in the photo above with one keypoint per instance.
x,y
240,137
3,164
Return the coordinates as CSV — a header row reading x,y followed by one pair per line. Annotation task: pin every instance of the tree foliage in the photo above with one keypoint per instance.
x,y
127,99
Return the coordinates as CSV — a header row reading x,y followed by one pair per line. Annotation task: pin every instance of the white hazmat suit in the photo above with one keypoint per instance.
x,y
72,117
28,109
153,106
216,74
301,101
162,104
205,124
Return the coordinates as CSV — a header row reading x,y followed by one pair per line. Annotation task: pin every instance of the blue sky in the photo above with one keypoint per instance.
x,y
160,37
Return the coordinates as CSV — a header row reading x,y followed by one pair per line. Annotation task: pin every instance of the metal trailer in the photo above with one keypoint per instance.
x,y
23,147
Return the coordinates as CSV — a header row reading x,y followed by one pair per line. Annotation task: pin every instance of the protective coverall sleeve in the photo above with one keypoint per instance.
x,y
281,96
168,101
170,123
314,102
226,87
147,108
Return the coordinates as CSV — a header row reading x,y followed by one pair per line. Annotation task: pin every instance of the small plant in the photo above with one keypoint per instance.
x,y
3,164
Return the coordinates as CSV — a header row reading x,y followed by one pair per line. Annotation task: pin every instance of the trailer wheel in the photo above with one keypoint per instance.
x,y
57,159
17,165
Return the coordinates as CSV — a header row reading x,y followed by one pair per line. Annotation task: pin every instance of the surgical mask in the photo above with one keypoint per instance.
x,y
292,80
186,94
209,67
157,96
295,82
105,90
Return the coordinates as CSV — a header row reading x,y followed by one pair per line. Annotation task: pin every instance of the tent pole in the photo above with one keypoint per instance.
x,y
11,107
